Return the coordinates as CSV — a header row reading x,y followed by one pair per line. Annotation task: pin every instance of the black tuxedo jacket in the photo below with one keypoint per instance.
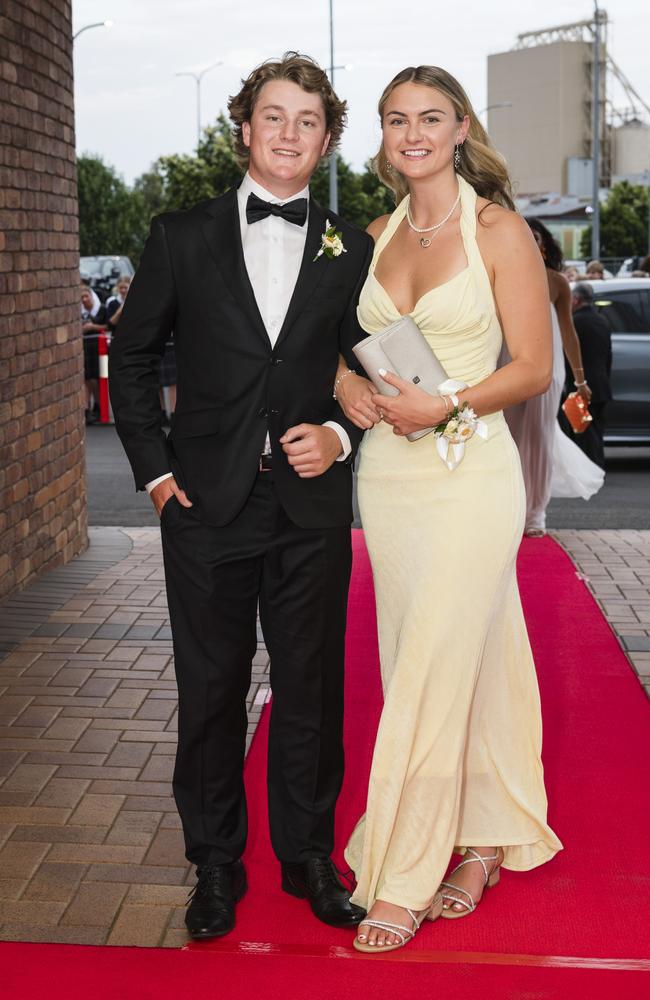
x,y
596,346
232,385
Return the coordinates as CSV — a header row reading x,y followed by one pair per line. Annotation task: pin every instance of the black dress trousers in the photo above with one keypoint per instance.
x,y
216,576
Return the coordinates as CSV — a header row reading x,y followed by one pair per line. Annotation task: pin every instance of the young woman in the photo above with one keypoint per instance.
x,y
115,303
92,321
551,463
457,758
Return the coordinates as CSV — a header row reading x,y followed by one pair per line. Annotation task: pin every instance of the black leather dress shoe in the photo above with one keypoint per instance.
x,y
317,880
211,912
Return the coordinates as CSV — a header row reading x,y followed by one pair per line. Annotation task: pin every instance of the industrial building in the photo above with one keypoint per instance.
x,y
540,117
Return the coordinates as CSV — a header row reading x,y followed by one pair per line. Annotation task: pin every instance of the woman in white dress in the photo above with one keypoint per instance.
x,y
552,464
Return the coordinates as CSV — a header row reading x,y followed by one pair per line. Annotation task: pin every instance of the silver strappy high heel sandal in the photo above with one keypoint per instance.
x,y
405,934
491,878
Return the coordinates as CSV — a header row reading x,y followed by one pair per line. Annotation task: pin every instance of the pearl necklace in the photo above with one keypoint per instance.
x,y
426,241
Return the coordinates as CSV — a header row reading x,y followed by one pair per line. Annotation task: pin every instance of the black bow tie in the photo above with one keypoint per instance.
x,y
293,211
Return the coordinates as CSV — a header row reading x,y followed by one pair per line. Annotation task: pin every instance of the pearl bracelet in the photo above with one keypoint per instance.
x,y
349,371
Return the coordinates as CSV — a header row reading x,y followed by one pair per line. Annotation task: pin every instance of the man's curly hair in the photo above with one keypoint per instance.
x,y
298,69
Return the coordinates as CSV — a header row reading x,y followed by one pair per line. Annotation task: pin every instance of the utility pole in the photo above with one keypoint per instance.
x,y
595,144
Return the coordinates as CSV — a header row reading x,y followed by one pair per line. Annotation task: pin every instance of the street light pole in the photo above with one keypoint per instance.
x,y
334,185
198,77
491,107
595,145
95,24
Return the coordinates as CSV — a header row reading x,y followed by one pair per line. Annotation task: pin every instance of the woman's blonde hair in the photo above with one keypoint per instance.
x,y
480,164
299,69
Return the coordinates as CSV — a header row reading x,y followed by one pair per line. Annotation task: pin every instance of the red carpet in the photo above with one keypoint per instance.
x,y
576,927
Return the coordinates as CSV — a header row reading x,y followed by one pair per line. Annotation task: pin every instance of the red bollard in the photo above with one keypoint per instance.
x,y
105,415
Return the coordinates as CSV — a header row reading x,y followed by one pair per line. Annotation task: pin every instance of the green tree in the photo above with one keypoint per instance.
x,y
149,189
382,200
362,197
213,170
115,219
623,223
110,219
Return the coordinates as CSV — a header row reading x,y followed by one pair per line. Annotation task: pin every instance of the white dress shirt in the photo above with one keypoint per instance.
x,y
273,251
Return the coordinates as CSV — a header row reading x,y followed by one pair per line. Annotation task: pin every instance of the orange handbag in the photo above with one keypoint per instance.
x,y
577,413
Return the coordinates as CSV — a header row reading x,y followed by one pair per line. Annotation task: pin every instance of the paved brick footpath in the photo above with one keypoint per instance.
x,y
90,842
91,849
615,565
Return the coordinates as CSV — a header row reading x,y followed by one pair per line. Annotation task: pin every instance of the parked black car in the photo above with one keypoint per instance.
x,y
625,305
103,271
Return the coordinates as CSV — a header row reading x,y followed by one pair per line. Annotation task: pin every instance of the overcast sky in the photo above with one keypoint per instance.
x,y
131,108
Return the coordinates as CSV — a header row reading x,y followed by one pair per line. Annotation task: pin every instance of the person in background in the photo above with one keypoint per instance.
x,y
85,281
596,347
570,272
597,271
93,319
533,423
115,303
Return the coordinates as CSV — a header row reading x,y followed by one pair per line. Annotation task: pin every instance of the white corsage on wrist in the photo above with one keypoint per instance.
x,y
331,242
455,430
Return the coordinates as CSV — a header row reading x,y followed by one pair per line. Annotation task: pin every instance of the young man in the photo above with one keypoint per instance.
x,y
253,485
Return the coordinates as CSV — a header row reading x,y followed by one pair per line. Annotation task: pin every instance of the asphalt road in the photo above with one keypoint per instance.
x,y
623,502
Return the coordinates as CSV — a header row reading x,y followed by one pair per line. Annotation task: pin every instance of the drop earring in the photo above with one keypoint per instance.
x,y
457,157
389,167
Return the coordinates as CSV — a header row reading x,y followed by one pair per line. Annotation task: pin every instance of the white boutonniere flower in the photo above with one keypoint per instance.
x,y
331,242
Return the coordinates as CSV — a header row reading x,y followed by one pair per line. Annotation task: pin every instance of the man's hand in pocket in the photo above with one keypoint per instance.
x,y
161,493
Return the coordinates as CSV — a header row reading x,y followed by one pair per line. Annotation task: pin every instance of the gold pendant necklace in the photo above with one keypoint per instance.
x,y
425,241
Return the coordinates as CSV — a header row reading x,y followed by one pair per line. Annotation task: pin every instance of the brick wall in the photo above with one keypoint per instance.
x,y
42,485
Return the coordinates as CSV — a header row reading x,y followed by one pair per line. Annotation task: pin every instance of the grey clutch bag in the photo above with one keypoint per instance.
x,y
401,348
